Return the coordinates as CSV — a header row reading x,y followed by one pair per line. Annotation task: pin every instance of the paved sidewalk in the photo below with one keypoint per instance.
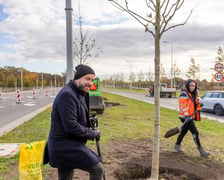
x,y
10,149
19,121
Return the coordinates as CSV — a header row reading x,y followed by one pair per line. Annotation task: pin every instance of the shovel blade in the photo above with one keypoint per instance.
x,y
172,132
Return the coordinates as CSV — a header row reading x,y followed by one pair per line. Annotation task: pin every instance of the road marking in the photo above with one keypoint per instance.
x,y
30,104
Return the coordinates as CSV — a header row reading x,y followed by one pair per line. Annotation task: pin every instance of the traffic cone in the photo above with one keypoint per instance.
x,y
18,99
34,93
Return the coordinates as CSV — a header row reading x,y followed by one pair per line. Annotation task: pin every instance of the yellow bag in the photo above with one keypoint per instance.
x,y
30,161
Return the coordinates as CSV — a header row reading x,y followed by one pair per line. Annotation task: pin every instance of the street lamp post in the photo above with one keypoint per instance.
x,y
15,82
21,79
55,81
68,11
130,73
171,69
42,80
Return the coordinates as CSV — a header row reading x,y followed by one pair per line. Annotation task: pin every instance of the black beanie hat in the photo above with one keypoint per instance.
x,y
82,70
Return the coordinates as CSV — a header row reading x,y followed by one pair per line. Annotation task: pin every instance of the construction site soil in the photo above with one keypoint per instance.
x,y
131,160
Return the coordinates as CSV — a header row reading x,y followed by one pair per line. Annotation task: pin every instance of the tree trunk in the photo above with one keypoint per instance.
x,y
156,135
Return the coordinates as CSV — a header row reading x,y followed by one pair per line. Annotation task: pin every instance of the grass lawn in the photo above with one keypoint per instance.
x,y
131,119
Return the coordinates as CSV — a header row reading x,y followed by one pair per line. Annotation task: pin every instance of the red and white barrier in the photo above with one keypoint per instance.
x,y
34,93
0,94
18,97
46,92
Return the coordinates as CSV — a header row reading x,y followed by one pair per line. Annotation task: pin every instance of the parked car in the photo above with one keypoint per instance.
x,y
213,101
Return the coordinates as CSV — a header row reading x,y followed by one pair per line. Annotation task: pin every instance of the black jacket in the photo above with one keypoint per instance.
x,y
70,130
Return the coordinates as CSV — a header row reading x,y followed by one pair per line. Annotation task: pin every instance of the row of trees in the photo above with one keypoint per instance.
x,y
119,82
12,77
144,80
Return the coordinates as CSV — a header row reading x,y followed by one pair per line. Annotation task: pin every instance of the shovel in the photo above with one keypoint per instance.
x,y
99,154
94,125
176,130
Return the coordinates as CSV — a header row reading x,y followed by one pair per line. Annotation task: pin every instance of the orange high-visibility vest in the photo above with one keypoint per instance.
x,y
186,106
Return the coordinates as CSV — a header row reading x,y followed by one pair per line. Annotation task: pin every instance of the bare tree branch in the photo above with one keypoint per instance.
x,y
139,18
181,24
84,45
168,12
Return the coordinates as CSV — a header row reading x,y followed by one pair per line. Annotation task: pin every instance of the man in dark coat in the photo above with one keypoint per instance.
x,y
70,129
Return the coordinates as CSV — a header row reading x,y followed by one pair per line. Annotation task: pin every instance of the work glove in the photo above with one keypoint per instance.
x,y
97,134
200,103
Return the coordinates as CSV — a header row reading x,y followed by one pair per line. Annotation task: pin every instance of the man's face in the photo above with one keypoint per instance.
x,y
84,83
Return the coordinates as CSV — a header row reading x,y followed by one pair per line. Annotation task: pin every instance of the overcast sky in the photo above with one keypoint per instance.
x,y
33,35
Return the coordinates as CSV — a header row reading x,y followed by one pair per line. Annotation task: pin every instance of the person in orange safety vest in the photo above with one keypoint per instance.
x,y
189,111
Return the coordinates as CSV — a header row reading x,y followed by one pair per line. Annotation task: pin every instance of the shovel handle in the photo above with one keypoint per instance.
x,y
98,148
185,122
99,154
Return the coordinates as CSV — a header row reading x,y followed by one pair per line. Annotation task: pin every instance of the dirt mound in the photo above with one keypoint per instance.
x,y
172,167
131,160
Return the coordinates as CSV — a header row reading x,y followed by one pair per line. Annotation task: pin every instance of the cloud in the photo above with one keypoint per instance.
x,y
35,32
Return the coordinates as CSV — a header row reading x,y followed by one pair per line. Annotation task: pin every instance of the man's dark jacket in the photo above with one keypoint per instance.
x,y
70,131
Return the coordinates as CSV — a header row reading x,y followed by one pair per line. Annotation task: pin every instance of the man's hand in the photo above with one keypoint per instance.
x,y
97,134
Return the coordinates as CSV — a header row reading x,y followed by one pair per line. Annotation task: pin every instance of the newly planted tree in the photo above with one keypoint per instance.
x,y
156,21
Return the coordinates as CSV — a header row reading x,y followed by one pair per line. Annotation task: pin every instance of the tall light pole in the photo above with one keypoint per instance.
x,y
42,80
21,78
55,81
15,82
68,10
171,69
130,73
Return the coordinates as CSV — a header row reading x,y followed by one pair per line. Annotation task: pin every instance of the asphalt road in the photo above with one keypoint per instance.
x,y
13,113
171,103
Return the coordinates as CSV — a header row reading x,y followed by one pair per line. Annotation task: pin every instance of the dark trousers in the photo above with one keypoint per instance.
x,y
193,129
96,172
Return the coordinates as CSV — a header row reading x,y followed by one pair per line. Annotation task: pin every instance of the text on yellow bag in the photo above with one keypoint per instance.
x,y
30,161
